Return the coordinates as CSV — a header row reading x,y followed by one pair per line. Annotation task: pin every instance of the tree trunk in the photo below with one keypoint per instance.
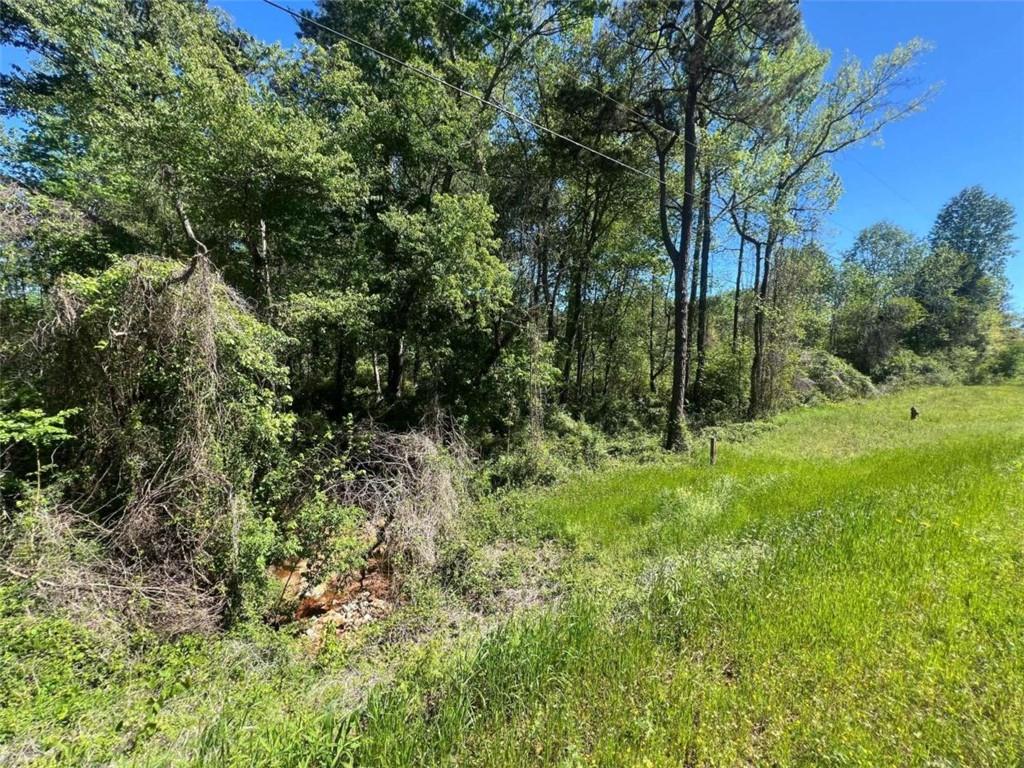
x,y
736,294
376,376
691,325
758,370
674,439
541,286
702,301
258,251
581,351
652,377
551,298
757,268
396,366
570,343
344,374
574,330
676,422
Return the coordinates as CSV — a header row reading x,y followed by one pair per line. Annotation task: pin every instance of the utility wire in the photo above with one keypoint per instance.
x,y
510,41
880,180
495,105
486,102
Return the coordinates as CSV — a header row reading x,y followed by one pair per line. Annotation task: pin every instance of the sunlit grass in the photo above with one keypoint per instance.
x,y
846,589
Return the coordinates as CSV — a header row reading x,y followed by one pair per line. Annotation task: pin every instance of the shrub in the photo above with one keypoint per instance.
x,y
180,400
530,463
566,445
908,369
1007,363
726,386
409,489
577,442
822,376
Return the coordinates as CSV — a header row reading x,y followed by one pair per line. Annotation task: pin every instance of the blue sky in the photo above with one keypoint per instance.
x,y
971,133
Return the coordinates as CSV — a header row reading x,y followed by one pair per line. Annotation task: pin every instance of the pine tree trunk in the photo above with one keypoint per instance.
x,y
691,326
676,423
702,300
570,343
758,369
736,294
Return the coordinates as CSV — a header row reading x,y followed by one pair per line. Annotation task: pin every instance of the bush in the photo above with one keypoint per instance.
x,y
530,463
180,403
908,369
566,445
1007,363
576,442
405,492
726,389
822,376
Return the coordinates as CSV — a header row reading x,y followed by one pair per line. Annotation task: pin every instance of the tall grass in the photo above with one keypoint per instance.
x,y
846,589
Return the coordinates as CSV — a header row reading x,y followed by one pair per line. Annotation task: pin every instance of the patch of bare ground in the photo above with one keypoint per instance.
x,y
515,577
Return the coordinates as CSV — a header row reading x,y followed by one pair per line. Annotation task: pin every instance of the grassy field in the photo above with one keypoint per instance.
x,y
846,588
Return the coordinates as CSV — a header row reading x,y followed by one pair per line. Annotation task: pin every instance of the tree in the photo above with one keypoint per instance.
x,y
980,226
699,58
140,112
887,252
875,307
822,119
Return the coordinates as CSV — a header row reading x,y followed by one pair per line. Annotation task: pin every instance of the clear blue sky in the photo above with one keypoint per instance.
x,y
971,133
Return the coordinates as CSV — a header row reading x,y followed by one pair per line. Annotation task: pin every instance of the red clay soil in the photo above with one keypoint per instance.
x,y
372,585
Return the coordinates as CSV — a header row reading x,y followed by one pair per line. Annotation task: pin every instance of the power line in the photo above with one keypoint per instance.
x,y
498,106
510,41
880,180
486,102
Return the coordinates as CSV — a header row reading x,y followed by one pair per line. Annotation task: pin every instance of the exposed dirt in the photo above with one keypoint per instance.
x,y
341,603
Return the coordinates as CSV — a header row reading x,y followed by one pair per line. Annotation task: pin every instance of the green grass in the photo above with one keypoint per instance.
x,y
846,589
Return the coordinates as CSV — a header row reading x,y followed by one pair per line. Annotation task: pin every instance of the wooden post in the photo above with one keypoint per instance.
x,y
714,450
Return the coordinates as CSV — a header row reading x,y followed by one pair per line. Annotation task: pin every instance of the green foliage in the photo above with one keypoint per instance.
x,y
1008,362
53,671
196,405
886,252
874,314
445,282
726,384
328,534
978,225
567,445
897,299
826,377
41,238
411,244
33,426
221,260
908,369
